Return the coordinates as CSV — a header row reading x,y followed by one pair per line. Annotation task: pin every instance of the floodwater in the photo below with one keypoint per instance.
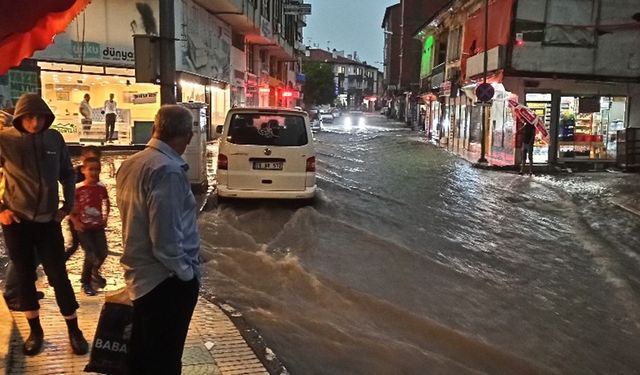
x,y
412,262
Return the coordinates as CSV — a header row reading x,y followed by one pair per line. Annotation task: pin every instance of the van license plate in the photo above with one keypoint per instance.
x,y
268,165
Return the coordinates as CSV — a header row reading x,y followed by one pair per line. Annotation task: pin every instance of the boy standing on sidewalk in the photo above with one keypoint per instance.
x,y
89,219
34,158
86,152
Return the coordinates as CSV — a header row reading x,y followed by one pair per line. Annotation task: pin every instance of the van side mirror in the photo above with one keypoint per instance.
x,y
219,129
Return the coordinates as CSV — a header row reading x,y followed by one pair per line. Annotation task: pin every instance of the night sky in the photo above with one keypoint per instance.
x,y
349,25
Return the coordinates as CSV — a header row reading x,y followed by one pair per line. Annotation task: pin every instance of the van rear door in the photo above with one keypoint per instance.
x,y
267,151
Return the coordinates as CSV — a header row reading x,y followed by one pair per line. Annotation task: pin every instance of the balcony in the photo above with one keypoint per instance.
x,y
437,76
495,61
237,13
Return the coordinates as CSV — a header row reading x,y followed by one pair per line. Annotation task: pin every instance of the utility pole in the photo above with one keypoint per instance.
x,y
167,52
483,158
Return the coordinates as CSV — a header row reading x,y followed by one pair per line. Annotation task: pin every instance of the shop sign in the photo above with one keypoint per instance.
x,y
91,50
144,98
21,81
105,30
445,88
297,9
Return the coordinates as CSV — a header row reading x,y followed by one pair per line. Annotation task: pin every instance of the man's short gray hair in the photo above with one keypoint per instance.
x,y
172,121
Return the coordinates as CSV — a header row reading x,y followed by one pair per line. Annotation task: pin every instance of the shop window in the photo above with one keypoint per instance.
x,y
455,38
588,126
571,22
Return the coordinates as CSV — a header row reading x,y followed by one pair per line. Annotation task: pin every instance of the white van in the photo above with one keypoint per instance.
x,y
266,153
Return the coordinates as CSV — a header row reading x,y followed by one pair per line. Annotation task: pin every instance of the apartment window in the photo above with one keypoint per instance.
x,y
577,30
453,50
266,9
250,59
341,69
277,11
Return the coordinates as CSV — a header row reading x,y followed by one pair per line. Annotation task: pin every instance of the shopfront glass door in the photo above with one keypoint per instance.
x,y
540,103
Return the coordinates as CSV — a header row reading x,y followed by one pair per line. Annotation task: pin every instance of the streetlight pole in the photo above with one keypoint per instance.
x,y
167,52
483,159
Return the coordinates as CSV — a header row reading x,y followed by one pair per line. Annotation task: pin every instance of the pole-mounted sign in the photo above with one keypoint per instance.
x,y
297,9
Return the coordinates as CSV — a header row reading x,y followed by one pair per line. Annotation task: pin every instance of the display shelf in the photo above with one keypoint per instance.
x,y
579,144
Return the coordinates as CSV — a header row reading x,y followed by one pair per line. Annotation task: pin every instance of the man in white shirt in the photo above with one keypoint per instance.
x,y
161,244
85,110
110,114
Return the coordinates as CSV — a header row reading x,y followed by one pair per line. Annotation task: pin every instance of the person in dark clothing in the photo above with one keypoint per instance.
x,y
34,158
86,152
528,132
11,281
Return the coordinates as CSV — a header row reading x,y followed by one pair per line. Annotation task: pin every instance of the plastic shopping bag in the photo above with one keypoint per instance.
x,y
111,341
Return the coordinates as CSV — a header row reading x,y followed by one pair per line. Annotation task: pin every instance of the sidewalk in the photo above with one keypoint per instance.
x,y
214,344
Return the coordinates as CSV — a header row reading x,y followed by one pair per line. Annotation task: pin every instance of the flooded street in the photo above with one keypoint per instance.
x,y
412,262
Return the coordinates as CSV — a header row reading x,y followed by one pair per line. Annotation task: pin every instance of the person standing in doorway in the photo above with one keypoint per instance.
x,y
528,133
34,159
85,110
110,111
161,244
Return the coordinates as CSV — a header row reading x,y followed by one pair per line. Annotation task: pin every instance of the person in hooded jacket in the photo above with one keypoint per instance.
x,y
34,159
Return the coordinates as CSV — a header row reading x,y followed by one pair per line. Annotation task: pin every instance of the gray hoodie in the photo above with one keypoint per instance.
x,y
33,164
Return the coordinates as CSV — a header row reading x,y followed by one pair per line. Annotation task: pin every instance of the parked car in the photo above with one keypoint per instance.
x,y
266,153
314,118
336,112
326,116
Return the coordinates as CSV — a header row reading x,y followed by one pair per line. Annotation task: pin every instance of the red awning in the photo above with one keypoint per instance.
x,y
29,25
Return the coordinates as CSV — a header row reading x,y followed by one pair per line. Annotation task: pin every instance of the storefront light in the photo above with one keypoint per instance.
x,y
264,90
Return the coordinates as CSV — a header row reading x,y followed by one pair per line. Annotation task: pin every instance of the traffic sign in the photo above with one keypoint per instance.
x,y
485,92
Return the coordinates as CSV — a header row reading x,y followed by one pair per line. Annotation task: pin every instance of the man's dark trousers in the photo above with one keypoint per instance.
x,y
27,241
160,324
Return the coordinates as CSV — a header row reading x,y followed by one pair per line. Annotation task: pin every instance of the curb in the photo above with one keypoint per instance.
x,y
7,325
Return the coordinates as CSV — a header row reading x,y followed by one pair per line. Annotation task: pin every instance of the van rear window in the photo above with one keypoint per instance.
x,y
267,130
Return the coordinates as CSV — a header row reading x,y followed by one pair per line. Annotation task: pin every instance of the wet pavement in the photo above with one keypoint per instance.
x,y
214,344
412,261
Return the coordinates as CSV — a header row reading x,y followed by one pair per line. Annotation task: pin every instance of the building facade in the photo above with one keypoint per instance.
x,y
356,83
581,77
227,53
399,25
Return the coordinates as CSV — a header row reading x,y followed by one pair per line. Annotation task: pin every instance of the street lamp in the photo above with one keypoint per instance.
x,y
483,159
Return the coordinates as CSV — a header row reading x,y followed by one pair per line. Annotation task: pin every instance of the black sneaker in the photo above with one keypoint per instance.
x,y
100,281
33,344
88,289
78,343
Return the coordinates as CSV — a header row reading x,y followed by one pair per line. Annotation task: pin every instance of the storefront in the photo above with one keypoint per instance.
x,y
63,87
588,126
216,95
581,127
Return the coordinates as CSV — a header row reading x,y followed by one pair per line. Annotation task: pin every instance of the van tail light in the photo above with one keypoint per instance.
x,y
223,162
311,164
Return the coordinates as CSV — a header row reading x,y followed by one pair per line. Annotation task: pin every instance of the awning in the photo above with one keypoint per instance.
x,y
30,25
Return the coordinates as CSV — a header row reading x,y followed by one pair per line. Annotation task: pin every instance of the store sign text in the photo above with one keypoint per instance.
x,y
93,50
110,53
144,98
